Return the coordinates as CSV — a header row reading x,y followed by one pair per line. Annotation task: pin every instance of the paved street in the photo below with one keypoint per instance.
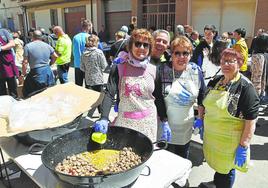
x,y
255,178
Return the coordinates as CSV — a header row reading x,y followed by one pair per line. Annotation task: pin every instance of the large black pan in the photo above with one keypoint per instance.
x,y
79,141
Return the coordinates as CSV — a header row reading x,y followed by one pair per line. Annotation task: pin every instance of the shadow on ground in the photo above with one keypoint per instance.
x,y
261,127
196,155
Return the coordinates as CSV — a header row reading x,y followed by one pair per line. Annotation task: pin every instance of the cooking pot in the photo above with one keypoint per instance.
x,y
47,135
79,141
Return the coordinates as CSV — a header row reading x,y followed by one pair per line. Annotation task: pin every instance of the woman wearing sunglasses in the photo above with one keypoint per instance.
x,y
133,82
231,110
179,84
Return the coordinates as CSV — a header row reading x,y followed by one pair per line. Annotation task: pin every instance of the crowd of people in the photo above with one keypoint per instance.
x,y
162,83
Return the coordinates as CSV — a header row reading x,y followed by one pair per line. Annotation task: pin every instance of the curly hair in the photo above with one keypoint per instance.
x,y
138,34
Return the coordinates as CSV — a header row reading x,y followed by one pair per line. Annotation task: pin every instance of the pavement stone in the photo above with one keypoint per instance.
x,y
256,177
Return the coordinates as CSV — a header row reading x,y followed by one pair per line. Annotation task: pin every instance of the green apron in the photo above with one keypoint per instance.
x,y
222,133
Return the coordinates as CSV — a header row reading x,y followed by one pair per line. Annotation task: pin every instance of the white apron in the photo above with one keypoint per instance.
x,y
181,118
136,108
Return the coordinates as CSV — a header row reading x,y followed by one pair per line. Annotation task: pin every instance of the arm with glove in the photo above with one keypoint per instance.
x,y
184,97
241,151
198,126
166,131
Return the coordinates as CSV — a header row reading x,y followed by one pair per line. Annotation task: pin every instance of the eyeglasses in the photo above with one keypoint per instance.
x,y
184,53
139,44
229,62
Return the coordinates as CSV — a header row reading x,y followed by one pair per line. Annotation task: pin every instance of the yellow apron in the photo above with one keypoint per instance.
x,y
222,133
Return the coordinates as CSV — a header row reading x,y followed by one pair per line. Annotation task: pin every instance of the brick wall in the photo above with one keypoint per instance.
x,y
261,20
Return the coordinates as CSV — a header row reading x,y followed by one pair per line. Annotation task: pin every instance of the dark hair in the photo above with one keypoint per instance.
x,y
217,49
261,43
241,32
153,28
210,27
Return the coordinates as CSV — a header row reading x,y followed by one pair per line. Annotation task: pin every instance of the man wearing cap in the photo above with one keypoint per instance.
x,y
125,30
37,54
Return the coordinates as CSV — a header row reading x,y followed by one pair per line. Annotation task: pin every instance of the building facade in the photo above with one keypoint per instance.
x,y
226,15
11,15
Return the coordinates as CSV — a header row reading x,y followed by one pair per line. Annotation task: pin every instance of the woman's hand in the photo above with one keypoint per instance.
x,y
101,126
240,156
166,131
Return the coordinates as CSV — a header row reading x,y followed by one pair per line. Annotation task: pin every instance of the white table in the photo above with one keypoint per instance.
x,y
165,166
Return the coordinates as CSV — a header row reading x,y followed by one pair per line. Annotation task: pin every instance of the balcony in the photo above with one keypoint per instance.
x,y
37,2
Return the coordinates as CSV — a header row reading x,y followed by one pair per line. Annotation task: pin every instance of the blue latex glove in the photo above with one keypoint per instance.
x,y
199,126
116,108
101,126
118,60
184,98
166,131
240,156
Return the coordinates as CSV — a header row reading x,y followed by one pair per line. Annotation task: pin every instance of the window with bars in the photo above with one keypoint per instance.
x,y
158,13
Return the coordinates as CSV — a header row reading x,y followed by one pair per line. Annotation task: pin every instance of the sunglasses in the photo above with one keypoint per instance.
x,y
139,44
184,53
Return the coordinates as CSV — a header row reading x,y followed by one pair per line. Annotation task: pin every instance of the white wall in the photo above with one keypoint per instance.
x,y
117,5
42,19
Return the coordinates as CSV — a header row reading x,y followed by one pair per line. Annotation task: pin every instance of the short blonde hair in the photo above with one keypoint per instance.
x,y
92,41
183,42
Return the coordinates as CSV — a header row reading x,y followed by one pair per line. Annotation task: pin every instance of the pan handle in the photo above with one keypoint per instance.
x,y
161,144
148,173
36,148
89,184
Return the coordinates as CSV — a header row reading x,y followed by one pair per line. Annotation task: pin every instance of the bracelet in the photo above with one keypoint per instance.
x,y
245,147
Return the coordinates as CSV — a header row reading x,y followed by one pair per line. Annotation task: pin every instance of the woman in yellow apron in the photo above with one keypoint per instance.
x,y
179,84
231,106
133,82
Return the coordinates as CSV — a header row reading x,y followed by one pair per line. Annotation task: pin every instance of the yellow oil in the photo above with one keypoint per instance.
x,y
100,159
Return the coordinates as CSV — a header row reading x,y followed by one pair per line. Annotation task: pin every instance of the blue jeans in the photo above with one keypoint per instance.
x,y
37,80
224,180
181,150
63,72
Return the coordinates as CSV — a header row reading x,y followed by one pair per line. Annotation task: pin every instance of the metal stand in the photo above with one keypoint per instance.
x,y
2,177
4,165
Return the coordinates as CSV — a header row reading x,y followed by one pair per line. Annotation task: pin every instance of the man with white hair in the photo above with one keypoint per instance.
x,y
159,51
124,28
180,30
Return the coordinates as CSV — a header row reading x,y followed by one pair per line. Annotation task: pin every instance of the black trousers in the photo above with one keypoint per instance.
x,y
181,150
98,88
79,76
11,84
